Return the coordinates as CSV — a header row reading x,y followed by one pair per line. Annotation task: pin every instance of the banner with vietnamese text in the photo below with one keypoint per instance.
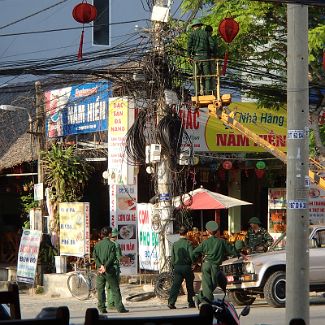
x,y
74,228
28,255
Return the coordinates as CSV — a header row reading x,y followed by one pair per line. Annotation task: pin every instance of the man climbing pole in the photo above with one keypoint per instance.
x,y
199,51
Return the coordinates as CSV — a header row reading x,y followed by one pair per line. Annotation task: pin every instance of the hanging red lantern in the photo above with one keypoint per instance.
x,y
228,29
83,13
260,173
227,164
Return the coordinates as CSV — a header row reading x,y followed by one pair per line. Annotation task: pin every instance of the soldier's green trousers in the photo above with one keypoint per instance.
x,y
209,280
202,68
111,279
109,293
182,272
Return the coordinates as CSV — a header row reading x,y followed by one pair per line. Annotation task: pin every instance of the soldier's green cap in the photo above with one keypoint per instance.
x,y
114,232
254,220
212,226
196,22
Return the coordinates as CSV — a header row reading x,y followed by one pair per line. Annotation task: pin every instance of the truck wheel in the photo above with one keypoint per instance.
x,y
275,289
240,298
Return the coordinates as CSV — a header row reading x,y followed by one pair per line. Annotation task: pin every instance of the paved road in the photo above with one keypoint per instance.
x,y
261,313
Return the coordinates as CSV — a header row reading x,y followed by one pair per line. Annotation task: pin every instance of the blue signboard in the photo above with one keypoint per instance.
x,y
77,109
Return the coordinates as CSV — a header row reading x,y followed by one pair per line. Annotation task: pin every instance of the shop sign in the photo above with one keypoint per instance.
x,y
148,239
77,109
210,134
121,117
123,217
28,255
74,228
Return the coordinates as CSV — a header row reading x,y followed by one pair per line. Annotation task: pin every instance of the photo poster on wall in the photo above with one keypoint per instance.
x,y
277,205
28,255
148,239
74,228
123,217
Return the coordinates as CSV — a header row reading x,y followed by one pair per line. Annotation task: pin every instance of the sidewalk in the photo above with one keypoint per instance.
x,y
31,304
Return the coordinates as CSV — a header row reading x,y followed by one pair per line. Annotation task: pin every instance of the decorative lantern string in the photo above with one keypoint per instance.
x,y
228,29
83,13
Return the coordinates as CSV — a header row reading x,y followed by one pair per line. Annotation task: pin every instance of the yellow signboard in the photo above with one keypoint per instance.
x,y
271,125
74,228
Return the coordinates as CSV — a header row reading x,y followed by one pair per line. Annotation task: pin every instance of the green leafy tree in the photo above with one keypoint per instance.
x,y
258,55
65,174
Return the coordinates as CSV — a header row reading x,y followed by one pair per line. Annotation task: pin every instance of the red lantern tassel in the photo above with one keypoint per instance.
x,y
81,45
225,63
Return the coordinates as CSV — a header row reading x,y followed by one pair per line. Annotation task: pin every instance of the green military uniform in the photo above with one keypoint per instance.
x,y
214,251
110,298
213,40
199,48
182,262
105,254
258,241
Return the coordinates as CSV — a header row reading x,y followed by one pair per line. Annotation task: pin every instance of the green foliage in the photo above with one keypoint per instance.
x,y
65,173
28,203
257,56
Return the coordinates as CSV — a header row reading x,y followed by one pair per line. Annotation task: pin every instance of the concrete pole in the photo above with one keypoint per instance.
x,y
297,264
163,167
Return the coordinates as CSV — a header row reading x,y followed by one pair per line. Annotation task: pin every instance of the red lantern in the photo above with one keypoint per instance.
x,y
83,13
227,164
228,29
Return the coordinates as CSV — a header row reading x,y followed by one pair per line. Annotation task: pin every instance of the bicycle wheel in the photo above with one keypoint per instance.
x,y
78,286
92,275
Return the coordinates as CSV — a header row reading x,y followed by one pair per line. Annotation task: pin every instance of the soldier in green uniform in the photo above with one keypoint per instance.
x,y
109,293
213,39
105,255
182,262
257,240
199,48
214,251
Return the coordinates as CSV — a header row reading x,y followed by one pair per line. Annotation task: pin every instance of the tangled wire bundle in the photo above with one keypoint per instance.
x,y
163,284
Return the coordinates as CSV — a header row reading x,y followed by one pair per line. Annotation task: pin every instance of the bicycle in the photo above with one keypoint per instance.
x,y
82,282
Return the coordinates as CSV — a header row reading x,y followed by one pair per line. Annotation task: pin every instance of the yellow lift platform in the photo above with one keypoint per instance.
x,y
216,106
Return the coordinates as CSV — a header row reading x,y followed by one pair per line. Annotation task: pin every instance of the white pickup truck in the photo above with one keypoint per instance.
x,y
264,274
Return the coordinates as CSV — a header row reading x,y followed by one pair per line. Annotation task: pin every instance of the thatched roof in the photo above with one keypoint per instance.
x,y
15,141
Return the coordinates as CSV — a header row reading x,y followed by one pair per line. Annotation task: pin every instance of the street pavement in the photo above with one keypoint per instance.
x,y
260,314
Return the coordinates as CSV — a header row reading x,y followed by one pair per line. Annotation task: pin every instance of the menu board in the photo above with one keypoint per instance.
x,y
74,228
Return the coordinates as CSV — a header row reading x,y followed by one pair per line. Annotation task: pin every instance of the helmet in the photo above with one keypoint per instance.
x,y
254,220
114,232
196,22
211,226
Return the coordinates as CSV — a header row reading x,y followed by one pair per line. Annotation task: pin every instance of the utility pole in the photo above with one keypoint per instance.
x,y
163,167
40,134
297,264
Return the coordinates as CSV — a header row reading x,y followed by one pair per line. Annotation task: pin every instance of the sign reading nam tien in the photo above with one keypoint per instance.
x,y
209,133
77,109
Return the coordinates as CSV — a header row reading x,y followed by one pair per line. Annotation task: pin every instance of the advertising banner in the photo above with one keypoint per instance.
x,y
148,239
74,228
77,109
209,133
123,217
121,117
28,255
277,206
